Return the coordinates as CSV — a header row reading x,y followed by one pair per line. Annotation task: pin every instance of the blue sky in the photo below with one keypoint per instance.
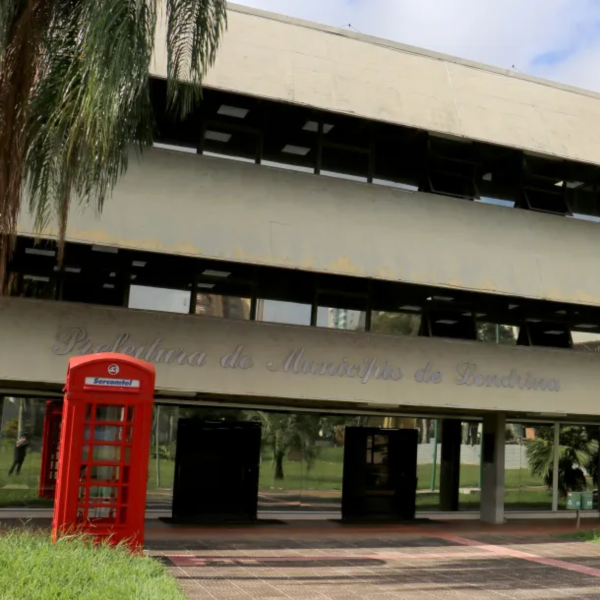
x,y
555,39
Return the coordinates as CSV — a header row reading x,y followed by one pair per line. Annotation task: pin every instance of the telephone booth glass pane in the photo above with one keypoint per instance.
x,y
110,413
106,454
108,433
105,433
102,512
103,494
101,473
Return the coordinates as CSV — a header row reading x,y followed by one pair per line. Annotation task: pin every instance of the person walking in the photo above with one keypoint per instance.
x,y
19,456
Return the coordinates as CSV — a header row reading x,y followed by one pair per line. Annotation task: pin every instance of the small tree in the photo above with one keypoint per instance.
x,y
576,450
11,429
285,432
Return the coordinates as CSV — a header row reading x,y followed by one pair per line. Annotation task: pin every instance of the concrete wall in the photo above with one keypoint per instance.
x,y
191,205
279,58
257,361
515,457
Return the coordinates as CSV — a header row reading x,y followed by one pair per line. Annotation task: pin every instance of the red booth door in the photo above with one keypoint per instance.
x,y
50,447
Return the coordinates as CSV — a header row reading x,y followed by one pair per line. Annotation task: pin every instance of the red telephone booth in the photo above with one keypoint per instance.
x,y
104,448
50,443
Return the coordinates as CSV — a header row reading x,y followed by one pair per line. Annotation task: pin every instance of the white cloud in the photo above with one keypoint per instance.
x,y
551,38
581,69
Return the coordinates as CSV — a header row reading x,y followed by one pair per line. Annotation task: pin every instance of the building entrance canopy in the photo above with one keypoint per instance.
x,y
263,361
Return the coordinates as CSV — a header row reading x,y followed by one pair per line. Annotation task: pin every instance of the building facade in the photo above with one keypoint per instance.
x,y
345,227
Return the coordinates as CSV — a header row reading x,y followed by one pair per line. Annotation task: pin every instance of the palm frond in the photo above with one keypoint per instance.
x,y
22,26
75,100
194,29
92,105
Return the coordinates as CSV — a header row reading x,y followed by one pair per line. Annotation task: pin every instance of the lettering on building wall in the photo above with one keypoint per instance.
x,y
469,375
75,341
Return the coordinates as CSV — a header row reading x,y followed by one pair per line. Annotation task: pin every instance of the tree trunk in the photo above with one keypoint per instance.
x,y
21,421
279,465
157,440
171,420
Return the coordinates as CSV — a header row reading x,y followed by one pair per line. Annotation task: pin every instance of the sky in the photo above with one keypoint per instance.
x,y
553,39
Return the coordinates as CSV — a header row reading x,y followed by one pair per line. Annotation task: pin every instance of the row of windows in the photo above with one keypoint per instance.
x,y
382,322
152,281
301,139
309,474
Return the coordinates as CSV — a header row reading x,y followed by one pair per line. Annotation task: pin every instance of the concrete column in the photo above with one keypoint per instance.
x,y
450,464
555,465
492,476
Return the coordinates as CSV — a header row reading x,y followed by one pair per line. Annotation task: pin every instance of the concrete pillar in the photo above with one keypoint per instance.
x,y
555,466
492,475
450,464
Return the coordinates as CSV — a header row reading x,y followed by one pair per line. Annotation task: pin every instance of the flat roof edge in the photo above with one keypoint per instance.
x,y
390,44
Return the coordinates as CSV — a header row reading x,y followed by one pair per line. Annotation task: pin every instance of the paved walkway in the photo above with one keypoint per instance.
x,y
397,562
311,560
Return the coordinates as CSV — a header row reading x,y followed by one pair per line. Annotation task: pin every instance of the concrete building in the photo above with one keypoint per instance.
x,y
330,175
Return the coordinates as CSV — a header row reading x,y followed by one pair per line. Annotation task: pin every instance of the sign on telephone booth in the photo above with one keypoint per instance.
x,y
50,445
104,448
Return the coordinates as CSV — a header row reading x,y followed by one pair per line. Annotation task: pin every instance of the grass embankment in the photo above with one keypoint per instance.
x,y
31,568
523,490
584,536
327,472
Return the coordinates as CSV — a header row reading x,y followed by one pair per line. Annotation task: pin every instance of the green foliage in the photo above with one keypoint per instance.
x,y
74,95
584,536
11,429
496,334
214,414
290,431
395,323
31,568
577,451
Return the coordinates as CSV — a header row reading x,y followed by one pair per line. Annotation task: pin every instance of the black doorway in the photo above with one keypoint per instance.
x,y
380,473
216,471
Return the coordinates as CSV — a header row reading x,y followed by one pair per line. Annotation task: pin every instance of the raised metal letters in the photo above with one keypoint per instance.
x,y
300,362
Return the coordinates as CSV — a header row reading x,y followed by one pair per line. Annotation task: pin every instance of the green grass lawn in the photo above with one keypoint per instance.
x,y
31,568
20,490
584,536
514,499
522,489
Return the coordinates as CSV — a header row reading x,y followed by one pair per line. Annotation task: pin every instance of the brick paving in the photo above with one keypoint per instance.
x,y
329,561
408,562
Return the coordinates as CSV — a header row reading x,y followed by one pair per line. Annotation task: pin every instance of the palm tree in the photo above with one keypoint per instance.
x,y
74,96
290,431
577,451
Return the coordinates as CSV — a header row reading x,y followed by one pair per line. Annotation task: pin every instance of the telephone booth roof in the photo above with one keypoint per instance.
x,y
110,373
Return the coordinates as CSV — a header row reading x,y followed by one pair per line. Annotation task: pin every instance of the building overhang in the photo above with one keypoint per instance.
x,y
292,61
260,363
